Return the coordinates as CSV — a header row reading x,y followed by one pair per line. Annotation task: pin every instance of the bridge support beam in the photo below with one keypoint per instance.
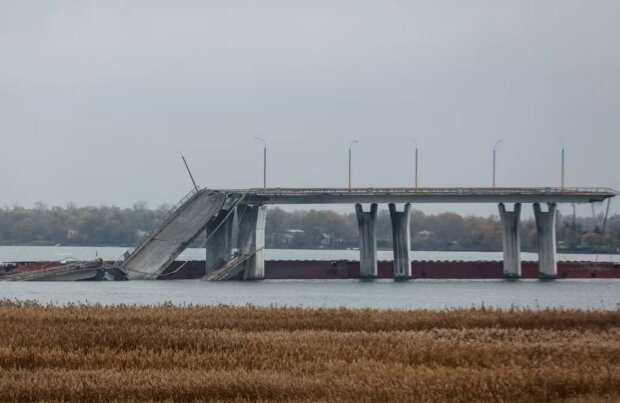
x,y
252,240
219,241
368,240
401,240
511,241
545,226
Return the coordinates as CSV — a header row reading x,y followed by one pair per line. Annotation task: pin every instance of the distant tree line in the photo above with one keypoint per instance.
x,y
445,231
78,226
114,226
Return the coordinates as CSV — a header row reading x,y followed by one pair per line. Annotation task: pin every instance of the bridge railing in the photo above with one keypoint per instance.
x,y
162,224
450,190
173,210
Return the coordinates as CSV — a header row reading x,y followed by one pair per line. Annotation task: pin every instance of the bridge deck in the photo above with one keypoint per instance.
x,y
424,195
186,222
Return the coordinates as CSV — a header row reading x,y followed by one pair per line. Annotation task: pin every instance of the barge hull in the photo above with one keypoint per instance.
x,y
342,269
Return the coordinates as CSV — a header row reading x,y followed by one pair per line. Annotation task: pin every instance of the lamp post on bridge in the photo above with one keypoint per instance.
x,y
264,161
351,147
494,158
562,169
415,164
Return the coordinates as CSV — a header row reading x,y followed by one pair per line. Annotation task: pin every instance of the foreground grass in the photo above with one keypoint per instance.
x,y
292,354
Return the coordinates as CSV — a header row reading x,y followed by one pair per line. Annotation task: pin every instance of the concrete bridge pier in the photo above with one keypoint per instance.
x,y
219,241
368,240
545,226
511,241
252,239
401,240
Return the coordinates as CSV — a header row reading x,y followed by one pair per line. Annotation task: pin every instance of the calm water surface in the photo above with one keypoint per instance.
x,y
381,294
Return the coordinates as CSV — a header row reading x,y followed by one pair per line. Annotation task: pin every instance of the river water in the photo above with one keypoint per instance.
x,y
380,294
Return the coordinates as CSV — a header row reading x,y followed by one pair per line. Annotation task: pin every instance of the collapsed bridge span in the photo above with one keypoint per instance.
x,y
187,220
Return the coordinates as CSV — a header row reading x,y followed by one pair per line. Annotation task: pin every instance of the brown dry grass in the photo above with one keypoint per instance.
x,y
84,353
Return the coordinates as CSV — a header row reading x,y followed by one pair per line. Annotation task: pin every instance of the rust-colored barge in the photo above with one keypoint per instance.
x,y
344,269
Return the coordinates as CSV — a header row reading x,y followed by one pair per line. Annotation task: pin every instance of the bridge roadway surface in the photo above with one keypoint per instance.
x,y
423,195
189,218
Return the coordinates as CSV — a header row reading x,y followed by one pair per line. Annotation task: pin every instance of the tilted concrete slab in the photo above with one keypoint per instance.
x,y
156,253
230,270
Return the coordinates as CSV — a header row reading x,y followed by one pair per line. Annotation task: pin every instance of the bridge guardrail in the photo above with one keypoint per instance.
x,y
451,190
163,222
173,210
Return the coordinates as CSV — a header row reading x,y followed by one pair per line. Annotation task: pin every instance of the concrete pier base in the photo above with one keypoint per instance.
x,y
368,240
252,239
219,241
401,240
511,241
545,226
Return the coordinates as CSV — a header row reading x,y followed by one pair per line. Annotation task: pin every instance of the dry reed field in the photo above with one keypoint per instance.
x,y
82,353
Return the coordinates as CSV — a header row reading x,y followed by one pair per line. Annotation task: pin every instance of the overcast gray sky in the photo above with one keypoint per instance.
x,y
98,97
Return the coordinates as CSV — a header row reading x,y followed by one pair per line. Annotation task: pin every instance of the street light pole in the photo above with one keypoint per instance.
x,y
350,147
415,164
562,181
264,161
494,158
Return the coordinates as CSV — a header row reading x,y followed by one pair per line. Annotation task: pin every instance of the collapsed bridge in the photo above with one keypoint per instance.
x,y
235,220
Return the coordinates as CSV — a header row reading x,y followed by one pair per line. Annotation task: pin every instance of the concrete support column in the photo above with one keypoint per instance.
x,y
511,240
545,226
368,240
219,241
252,240
401,240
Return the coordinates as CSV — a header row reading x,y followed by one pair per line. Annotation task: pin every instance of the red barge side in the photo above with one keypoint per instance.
x,y
343,269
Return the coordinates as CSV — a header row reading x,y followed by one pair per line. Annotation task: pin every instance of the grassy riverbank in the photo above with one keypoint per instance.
x,y
252,354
